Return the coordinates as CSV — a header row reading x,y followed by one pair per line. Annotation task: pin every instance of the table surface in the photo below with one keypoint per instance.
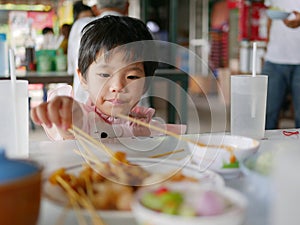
x,y
54,155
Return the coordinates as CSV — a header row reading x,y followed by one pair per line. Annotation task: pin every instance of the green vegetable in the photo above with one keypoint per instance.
x,y
231,165
168,202
151,201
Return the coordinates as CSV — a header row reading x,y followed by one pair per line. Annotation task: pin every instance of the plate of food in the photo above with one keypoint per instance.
x,y
189,204
108,188
276,13
222,153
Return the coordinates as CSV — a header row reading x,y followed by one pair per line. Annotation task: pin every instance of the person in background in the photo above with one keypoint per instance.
x,y
65,32
47,30
113,69
282,62
49,40
102,8
295,22
80,10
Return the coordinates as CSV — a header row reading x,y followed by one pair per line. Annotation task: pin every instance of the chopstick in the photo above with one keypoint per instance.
x,y
172,134
166,153
84,137
96,161
77,132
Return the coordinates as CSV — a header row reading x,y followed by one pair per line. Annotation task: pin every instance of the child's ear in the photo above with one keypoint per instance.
x,y
82,80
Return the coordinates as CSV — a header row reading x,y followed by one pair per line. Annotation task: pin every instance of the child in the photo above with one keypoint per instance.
x,y
113,70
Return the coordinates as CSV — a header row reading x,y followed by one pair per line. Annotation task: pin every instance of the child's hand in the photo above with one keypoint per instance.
x,y
58,111
142,113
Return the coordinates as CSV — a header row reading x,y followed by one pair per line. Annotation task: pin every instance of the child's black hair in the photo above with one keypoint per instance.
x,y
109,32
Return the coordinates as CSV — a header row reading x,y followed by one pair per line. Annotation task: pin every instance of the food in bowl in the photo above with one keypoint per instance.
x,y
191,204
165,200
222,153
113,187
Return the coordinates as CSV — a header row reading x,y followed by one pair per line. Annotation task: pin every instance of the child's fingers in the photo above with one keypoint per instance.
x,y
34,116
60,112
40,115
53,112
66,114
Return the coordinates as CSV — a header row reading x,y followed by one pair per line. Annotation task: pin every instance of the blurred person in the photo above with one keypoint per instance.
x,y
49,40
100,8
282,62
47,30
81,10
65,32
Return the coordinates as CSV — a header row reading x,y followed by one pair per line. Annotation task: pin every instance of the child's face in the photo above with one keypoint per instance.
x,y
115,86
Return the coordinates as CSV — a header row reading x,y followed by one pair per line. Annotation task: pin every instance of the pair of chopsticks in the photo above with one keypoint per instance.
x,y
84,138
172,134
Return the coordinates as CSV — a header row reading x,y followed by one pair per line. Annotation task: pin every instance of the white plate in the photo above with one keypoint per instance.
x,y
57,196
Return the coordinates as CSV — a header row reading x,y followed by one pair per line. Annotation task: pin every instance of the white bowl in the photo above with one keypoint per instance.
x,y
234,215
277,14
215,157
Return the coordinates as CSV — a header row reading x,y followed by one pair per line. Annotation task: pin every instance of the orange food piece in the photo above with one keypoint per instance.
x,y
232,158
119,157
57,173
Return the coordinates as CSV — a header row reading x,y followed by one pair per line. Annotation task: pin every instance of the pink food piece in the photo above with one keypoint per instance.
x,y
210,204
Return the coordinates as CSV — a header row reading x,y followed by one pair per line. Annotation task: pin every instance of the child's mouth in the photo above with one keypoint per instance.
x,y
116,101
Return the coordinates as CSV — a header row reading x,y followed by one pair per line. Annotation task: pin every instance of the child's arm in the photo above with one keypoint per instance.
x,y
60,111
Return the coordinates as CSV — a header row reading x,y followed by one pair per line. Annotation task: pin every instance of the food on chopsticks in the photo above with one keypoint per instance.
x,y
181,203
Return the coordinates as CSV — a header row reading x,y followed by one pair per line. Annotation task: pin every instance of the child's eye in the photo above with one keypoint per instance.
x,y
104,75
133,77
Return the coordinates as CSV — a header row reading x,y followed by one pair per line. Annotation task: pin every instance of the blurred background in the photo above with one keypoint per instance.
x,y
221,32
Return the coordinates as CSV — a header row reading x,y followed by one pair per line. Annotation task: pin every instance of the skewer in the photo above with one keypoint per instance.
x,y
90,159
76,198
172,134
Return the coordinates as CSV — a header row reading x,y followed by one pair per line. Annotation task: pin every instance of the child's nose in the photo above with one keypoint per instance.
x,y
117,84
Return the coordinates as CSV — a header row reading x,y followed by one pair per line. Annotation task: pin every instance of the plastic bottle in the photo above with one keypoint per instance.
x,y
30,51
3,56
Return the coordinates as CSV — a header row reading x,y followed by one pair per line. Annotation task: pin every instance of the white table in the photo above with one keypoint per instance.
x,y
54,155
